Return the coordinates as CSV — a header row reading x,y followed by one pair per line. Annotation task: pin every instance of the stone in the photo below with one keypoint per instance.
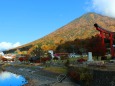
x,y
90,56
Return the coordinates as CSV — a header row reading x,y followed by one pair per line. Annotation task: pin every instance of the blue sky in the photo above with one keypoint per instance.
x,y
23,21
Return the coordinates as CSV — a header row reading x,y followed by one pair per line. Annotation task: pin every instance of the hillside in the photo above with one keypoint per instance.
x,y
80,28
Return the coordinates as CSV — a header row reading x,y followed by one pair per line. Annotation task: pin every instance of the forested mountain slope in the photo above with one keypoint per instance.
x,y
81,28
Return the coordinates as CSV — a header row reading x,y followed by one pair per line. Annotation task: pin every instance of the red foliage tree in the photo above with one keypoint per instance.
x,y
81,60
21,59
44,59
4,59
96,47
24,58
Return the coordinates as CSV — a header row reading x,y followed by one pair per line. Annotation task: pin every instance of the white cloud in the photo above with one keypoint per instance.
x,y
16,44
8,45
105,7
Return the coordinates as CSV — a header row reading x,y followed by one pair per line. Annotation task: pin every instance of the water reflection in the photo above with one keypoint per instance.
x,y
10,79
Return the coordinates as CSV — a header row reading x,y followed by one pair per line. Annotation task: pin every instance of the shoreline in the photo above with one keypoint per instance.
x,y
39,77
32,76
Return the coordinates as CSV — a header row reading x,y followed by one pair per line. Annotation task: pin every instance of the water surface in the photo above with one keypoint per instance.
x,y
10,79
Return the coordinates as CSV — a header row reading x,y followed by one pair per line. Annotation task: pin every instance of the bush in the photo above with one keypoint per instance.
x,y
103,58
4,59
82,76
37,61
21,59
44,59
55,58
67,63
81,60
63,57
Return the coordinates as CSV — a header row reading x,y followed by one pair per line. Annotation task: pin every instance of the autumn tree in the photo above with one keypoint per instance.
x,y
72,46
95,46
35,50
18,51
48,47
80,45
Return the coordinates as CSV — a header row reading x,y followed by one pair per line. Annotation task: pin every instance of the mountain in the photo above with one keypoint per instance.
x,y
81,28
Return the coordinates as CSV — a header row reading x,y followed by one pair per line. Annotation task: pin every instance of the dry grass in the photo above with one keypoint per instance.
x,y
56,69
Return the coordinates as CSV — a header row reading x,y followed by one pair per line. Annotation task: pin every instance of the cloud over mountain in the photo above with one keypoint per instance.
x,y
8,45
105,7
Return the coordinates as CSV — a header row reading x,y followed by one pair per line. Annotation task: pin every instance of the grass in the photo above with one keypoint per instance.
x,y
56,69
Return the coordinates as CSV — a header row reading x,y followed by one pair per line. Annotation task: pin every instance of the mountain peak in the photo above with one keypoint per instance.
x,y
80,28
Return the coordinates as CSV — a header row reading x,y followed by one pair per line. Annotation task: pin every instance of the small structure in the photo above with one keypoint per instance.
x,y
73,55
90,56
51,52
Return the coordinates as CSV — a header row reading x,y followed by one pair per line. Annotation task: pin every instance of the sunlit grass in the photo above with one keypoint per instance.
x,y
56,69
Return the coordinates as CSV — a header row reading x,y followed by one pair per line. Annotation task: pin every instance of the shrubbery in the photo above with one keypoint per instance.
x,y
80,75
81,60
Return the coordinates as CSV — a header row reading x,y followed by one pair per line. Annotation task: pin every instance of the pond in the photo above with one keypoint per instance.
x,y
10,79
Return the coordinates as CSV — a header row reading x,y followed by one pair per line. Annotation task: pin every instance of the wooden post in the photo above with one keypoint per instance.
x,y
111,44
